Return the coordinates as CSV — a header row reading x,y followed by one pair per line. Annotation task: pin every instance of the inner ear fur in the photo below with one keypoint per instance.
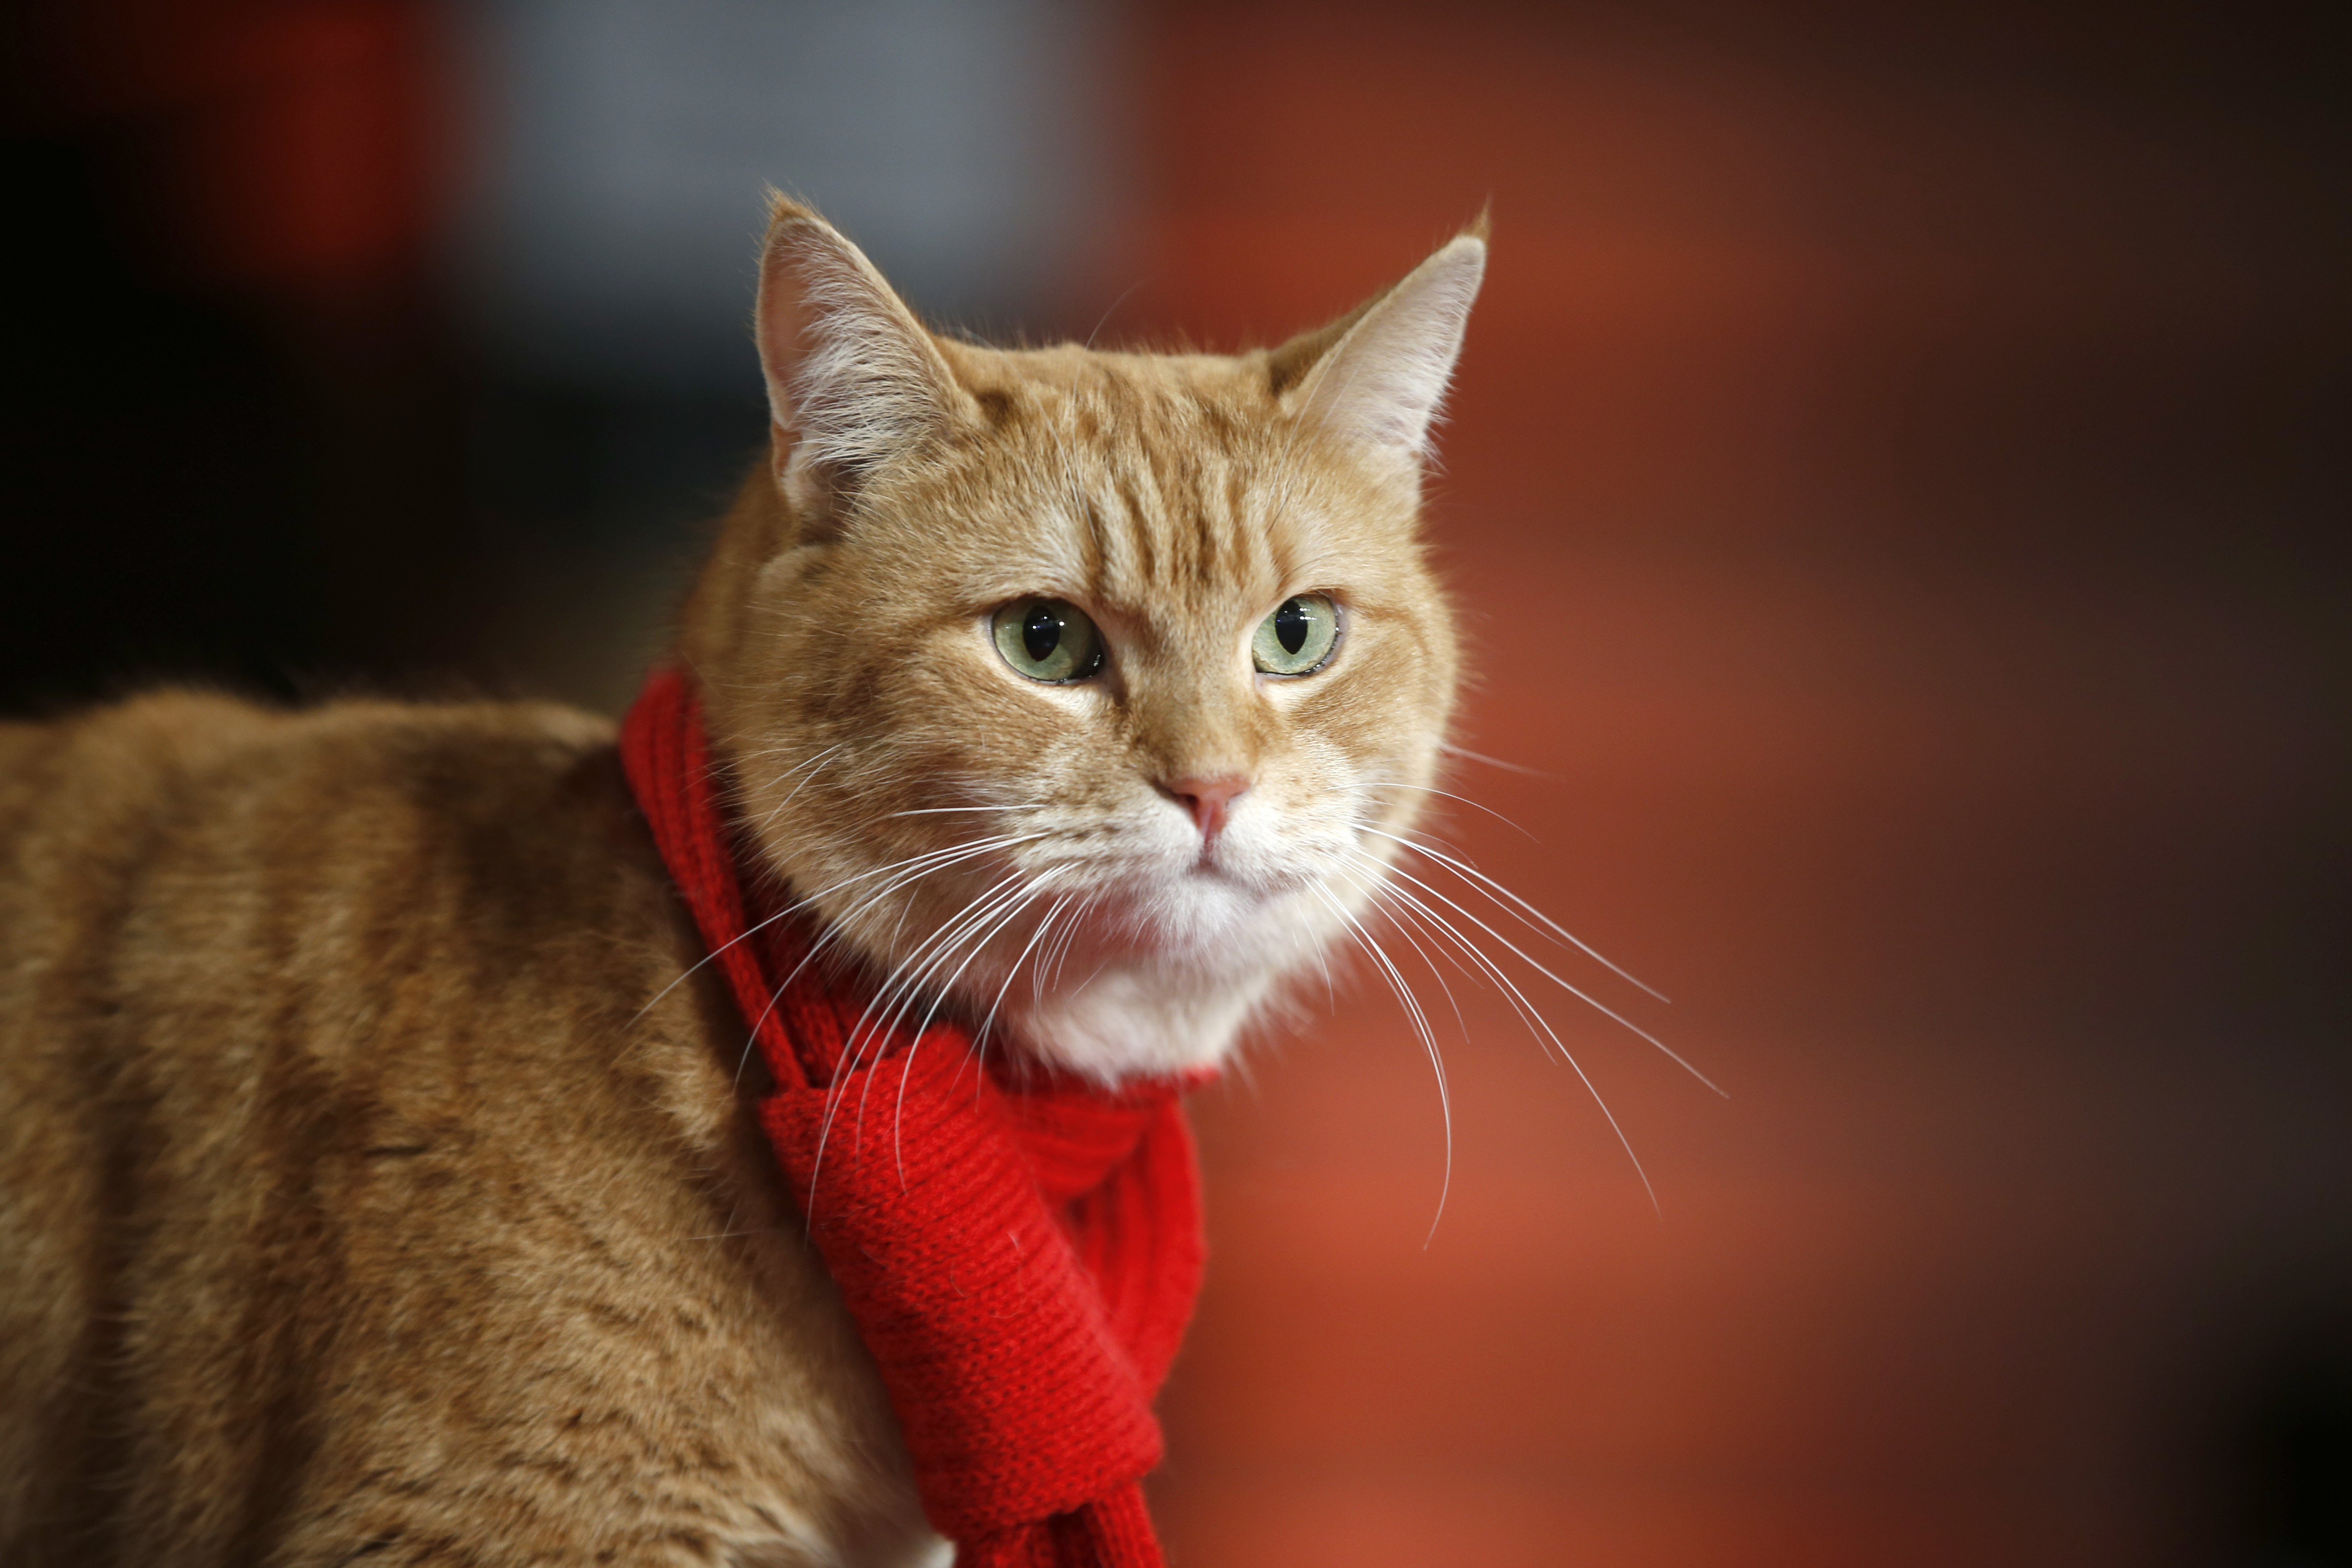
x,y
855,381
1286,366
1377,375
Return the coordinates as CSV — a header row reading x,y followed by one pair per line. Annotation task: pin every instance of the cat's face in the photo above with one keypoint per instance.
x,y
1090,694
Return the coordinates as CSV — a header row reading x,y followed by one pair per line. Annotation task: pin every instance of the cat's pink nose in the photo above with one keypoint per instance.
x,y
1208,799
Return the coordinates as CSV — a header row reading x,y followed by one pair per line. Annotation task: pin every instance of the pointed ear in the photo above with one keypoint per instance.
x,y
854,381
1376,375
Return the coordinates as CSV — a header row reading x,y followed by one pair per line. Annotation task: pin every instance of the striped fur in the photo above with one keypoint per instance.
x,y
370,1193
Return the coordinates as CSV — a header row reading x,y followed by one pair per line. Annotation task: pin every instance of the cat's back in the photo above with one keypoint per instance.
x,y
186,780
347,1184
203,854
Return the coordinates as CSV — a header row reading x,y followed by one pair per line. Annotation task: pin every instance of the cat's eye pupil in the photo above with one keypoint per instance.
x,y
1297,637
1040,632
1047,639
1290,626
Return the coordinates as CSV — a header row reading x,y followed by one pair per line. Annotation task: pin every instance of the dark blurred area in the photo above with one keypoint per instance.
x,y
1897,494
395,343
233,427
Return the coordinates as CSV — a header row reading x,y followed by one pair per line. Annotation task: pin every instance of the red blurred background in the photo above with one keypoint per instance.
x,y
1895,493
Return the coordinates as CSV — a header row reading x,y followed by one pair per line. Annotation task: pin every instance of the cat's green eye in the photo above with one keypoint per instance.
x,y
1047,639
1297,638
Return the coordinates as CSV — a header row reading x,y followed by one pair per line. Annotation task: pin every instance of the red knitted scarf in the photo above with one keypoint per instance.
x,y
1020,1258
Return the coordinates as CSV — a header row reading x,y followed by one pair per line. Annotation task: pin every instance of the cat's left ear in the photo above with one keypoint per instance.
x,y
1375,376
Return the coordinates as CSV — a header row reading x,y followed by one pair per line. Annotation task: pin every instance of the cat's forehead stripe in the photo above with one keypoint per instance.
x,y
1159,482
1187,525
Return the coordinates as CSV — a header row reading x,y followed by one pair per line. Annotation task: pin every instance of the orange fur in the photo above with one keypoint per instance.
x,y
355,1205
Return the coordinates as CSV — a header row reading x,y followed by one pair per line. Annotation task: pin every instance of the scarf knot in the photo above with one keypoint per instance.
x,y
1020,1255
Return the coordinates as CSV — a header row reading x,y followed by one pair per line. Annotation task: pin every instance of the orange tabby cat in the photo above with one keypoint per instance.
x,y
369,1189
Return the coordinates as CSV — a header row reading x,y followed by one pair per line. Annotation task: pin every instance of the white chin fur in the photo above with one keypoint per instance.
x,y
1132,1022
1147,1013
1169,963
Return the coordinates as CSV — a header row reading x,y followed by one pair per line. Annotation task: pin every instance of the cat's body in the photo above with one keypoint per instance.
x,y
354,1202
347,1202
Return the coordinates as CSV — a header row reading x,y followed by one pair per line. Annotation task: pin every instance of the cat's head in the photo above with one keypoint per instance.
x,y
1085,690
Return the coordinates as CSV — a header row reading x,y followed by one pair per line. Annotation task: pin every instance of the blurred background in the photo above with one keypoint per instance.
x,y
1896,493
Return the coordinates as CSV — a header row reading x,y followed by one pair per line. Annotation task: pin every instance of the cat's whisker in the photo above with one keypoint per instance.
x,y
1049,931
1432,789
1581,995
949,856
929,862
1464,752
1068,940
943,810
1399,900
1124,295
1013,972
978,928
910,980
939,994
891,1006
835,931
1445,855
1405,907
688,973
1331,993
887,1010
1402,903
1482,968
853,1057
1494,888
804,763
815,767
924,865
1412,1009
1070,945
1373,889
1528,1013
894,993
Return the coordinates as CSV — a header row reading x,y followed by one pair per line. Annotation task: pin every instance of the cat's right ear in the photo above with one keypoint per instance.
x,y
854,381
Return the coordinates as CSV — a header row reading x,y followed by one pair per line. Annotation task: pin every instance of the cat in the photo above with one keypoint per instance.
x,y
376,1181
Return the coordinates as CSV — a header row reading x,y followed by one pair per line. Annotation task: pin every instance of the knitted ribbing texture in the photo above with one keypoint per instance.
x,y
1021,1252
